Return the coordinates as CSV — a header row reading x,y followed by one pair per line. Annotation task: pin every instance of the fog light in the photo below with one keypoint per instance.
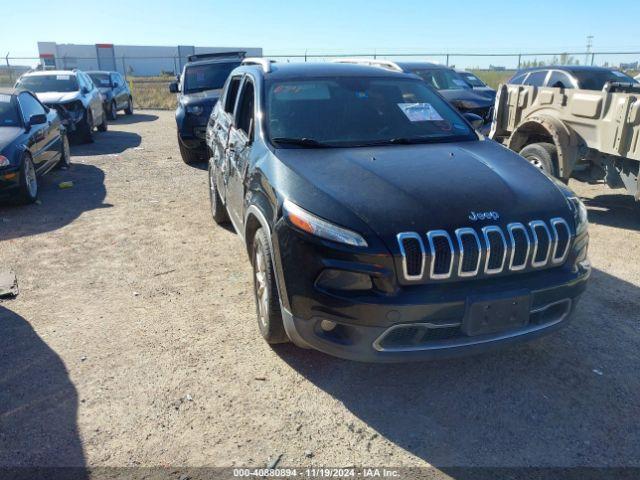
x,y
327,325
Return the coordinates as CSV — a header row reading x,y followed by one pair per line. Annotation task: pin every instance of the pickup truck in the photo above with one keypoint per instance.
x,y
586,134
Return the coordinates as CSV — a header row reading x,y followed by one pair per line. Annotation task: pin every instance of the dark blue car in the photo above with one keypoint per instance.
x,y
32,142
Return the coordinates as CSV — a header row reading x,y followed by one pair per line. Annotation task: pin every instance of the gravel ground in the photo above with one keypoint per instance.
x,y
133,342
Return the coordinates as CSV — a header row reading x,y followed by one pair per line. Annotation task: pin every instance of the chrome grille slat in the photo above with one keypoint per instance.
x,y
533,245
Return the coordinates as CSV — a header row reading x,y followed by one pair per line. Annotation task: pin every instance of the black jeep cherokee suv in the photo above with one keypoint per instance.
x,y
380,225
199,88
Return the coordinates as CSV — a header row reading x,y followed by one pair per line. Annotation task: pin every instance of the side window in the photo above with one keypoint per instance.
x,y
89,82
232,93
559,79
536,79
114,79
517,80
245,112
30,106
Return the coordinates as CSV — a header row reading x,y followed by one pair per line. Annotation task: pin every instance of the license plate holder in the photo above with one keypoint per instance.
x,y
485,315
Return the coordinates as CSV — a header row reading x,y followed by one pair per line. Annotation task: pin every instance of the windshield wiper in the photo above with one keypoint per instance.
x,y
303,142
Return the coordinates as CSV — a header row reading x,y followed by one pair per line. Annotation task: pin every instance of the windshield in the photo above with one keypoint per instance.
x,y
8,111
472,80
48,83
442,79
101,80
207,77
595,80
347,111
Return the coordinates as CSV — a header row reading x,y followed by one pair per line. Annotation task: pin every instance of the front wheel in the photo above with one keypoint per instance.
x,y
28,181
113,111
65,153
266,292
103,126
129,108
85,128
218,210
543,156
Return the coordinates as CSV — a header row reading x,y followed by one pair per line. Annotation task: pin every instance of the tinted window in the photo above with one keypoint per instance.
x,y
596,79
232,92
245,108
347,111
88,81
48,83
8,111
442,79
517,79
100,79
559,79
30,106
536,79
206,77
473,80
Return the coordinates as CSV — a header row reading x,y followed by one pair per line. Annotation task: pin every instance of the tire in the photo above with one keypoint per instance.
x,y
113,111
129,108
543,156
28,181
85,128
65,153
104,125
266,292
188,156
218,210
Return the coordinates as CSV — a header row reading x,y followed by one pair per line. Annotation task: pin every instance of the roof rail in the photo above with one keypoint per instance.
x,y
265,63
204,56
388,64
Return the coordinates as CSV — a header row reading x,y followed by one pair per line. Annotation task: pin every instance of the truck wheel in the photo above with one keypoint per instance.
x,y
85,128
188,155
542,155
218,210
128,110
28,181
265,291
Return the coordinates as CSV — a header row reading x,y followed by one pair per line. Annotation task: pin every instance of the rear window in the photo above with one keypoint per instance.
x,y
101,79
442,79
596,79
48,83
8,111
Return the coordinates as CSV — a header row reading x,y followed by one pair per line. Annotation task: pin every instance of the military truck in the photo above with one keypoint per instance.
x,y
568,132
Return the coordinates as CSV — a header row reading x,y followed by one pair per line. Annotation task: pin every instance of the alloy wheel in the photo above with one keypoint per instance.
x,y
30,177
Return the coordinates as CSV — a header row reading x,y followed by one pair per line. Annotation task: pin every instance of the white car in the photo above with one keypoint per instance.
x,y
73,94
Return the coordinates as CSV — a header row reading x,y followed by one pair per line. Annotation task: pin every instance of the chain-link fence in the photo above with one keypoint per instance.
x,y
149,77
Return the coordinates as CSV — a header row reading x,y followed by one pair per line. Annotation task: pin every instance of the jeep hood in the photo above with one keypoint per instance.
x,y
422,187
57,97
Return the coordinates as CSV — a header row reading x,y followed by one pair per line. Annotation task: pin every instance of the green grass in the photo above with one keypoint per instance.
x,y
152,93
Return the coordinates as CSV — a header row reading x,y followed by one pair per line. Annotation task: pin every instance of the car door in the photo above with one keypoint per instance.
x,y
95,100
220,133
40,136
239,148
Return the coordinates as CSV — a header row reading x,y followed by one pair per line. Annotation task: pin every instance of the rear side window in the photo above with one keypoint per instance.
x,y
232,93
536,79
244,118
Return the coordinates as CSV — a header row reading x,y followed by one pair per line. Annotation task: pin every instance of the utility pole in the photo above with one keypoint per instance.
x,y
589,46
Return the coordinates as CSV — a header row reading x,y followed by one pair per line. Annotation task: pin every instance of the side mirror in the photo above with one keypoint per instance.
x,y
37,119
173,87
476,121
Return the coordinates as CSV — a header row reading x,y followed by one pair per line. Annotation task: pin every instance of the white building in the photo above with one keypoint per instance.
x,y
127,59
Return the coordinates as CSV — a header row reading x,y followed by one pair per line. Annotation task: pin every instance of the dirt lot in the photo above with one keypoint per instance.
x,y
134,342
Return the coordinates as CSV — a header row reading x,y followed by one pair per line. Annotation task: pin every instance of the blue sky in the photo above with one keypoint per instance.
x,y
352,26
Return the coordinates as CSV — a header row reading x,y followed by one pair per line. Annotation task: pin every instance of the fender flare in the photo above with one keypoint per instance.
x,y
562,137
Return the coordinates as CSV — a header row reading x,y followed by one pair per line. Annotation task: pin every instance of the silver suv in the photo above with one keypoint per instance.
x,y
73,94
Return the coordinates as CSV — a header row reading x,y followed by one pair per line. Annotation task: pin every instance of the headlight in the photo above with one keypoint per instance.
x,y
195,109
321,228
4,161
579,213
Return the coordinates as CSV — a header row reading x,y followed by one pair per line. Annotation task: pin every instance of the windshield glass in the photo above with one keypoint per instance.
x,y
348,111
442,79
595,80
101,80
472,80
48,83
207,77
8,111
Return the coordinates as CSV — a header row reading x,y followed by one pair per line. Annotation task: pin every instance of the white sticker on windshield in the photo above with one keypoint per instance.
x,y
420,112
104,82
62,77
5,98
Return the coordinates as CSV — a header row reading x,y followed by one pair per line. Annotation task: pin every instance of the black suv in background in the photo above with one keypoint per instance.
x,y
380,225
115,92
199,88
571,76
449,83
